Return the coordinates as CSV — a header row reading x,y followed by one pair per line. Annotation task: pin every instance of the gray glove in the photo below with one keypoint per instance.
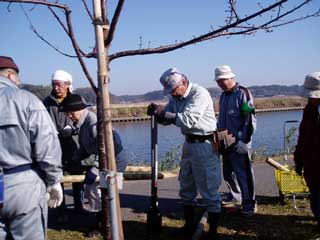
x,y
242,148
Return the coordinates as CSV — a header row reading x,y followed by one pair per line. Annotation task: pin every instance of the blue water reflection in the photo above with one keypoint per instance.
x,y
136,135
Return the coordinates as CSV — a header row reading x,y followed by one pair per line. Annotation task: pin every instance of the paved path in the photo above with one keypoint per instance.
x,y
136,194
135,197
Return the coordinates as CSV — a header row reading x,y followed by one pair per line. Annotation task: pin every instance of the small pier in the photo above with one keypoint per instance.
x,y
286,109
131,119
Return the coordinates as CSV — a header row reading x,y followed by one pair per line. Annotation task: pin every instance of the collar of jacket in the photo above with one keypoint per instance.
x,y
233,89
8,82
53,97
83,117
185,95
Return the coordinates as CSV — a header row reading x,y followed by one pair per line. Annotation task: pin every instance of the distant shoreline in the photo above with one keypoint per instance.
x,y
276,103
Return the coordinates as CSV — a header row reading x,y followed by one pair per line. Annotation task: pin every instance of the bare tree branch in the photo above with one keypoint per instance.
x,y
59,20
68,30
42,38
252,30
316,14
87,9
210,35
284,14
235,26
78,52
41,2
114,22
222,31
233,12
70,34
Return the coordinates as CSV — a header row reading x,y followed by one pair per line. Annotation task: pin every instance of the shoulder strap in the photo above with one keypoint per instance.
x,y
246,91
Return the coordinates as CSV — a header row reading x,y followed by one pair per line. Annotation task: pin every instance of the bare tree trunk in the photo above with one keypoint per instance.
x,y
104,106
105,205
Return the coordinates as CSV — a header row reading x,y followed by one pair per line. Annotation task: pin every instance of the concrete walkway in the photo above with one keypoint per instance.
x,y
135,196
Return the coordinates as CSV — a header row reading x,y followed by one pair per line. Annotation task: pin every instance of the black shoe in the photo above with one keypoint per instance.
x,y
189,225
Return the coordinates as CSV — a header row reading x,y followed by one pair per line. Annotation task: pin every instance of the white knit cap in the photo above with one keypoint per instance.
x,y
61,75
311,85
223,72
171,79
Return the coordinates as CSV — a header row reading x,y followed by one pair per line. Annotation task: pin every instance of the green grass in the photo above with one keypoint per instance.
x,y
273,221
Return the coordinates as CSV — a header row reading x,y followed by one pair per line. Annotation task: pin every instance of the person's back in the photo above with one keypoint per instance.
x,y
29,166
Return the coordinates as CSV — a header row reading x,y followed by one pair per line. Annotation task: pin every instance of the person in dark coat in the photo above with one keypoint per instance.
x,y
61,88
307,153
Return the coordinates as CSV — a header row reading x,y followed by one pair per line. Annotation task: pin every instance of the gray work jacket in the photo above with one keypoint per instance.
x,y
27,133
195,113
88,142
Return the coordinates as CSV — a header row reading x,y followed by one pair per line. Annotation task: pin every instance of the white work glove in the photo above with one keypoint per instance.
x,y
242,148
55,195
66,131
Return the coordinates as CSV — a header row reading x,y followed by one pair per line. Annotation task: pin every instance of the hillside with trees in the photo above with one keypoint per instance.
x,y
158,96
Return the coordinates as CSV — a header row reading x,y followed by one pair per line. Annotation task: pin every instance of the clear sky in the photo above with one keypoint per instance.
x,y
283,56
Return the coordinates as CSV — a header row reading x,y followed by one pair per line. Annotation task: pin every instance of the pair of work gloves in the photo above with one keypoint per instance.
x,y
160,114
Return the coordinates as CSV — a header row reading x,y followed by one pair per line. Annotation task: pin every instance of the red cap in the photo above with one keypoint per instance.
x,y
7,62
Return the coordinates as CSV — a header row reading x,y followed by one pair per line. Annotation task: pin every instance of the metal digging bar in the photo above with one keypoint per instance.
x,y
154,218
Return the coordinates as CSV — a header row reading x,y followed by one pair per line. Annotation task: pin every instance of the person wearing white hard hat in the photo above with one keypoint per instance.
x,y
61,82
30,159
191,109
306,155
237,116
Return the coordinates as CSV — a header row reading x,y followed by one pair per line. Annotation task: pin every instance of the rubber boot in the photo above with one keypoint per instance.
x,y
97,228
213,219
189,226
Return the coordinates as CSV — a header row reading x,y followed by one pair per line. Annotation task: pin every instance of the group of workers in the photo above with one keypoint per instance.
x,y
33,134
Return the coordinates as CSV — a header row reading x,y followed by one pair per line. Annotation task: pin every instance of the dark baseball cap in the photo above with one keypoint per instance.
x,y
7,62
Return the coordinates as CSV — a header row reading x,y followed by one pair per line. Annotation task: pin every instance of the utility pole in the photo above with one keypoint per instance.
x,y
106,162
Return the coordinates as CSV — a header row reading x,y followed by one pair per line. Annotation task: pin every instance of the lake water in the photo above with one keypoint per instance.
x,y
268,138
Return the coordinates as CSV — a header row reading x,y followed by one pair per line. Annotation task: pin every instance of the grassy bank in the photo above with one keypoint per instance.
x,y
140,109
